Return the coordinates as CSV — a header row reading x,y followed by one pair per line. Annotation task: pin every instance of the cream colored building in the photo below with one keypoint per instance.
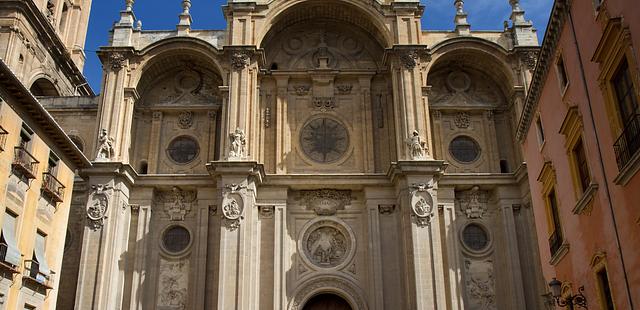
x,y
41,54
314,153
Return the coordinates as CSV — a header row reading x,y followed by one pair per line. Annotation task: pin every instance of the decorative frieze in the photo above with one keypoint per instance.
x,y
324,104
177,203
240,60
386,209
326,202
462,120
344,89
185,119
473,203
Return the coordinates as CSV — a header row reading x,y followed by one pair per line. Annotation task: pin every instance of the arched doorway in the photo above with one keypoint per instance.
x,y
327,302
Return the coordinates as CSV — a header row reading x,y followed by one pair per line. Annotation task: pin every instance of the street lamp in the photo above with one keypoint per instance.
x,y
570,301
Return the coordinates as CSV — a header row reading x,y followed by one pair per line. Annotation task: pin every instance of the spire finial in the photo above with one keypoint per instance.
x,y
186,6
184,25
129,5
517,13
460,20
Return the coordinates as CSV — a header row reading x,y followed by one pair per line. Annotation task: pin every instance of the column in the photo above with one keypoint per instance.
x,y
141,216
283,131
154,145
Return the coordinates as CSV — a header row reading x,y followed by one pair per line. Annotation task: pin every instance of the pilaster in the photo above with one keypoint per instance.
x,y
102,278
411,113
515,293
416,188
238,265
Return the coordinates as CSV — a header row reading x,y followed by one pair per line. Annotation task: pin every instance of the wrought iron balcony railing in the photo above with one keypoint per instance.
x,y
3,258
24,162
628,144
32,273
555,242
52,187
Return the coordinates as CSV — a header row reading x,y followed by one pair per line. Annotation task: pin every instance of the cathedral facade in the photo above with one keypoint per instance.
x,y
313,154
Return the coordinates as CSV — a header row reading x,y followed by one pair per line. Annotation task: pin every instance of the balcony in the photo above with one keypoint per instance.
x,y
52,187
33,276
628,143
25,163
555,242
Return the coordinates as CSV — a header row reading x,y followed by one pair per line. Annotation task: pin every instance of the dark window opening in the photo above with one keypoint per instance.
x,y
562,73
605,290
144,167
504,166
582,165
274,66
43,88
625,93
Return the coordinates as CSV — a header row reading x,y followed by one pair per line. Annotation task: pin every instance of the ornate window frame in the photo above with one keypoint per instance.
x,y
561,71
572,129
547,177
615,46
599,263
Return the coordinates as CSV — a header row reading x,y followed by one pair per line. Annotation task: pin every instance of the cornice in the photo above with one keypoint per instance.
x,y
545,59
23,100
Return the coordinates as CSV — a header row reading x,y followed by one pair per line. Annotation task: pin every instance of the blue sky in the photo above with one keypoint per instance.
x,y
207,14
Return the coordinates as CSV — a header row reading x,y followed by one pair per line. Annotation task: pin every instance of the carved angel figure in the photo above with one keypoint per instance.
x,y
238,143
416,146
105,146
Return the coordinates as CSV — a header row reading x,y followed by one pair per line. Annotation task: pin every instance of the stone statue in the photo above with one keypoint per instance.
x,y
238,143
416,146
105,146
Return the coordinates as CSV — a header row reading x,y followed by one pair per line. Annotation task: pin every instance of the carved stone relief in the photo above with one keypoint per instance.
x,y
421,204
386,209
417,147
185,119
480,284
462,120
460,88
97,206
326,202
117,61
344,89
238,144
232,206
192,86
177,203
327,244
240,60
473,203
173,285
324,104
266,211
105,146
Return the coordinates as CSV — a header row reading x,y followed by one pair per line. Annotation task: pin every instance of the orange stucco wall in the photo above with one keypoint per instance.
x,y
587,234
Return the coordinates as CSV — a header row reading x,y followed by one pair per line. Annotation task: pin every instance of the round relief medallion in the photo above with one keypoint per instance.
x,y
176,239
324,140
327,244
459,81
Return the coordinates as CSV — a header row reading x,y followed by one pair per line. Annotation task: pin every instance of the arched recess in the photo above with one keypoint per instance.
x,y
471,87
355,13
179,87
326,61
42,87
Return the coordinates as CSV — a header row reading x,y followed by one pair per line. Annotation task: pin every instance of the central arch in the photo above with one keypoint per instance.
x,y
327,302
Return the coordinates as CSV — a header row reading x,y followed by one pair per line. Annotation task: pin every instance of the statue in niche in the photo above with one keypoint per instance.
x,y
105,146
417,147
238,143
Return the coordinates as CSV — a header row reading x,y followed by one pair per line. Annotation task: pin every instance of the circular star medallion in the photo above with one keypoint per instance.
x,y
324,140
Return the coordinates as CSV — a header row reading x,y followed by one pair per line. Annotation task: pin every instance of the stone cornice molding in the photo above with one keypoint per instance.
x,y
52,42
426,167
545,59
25,102
241,56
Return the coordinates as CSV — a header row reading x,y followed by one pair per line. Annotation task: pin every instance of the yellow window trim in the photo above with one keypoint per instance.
x,y
599,263
572,130
614,47
547,177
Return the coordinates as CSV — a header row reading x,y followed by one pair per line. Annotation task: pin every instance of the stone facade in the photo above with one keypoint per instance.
x,y
313,147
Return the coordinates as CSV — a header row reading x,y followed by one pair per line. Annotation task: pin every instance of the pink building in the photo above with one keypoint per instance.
x,y
580,129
